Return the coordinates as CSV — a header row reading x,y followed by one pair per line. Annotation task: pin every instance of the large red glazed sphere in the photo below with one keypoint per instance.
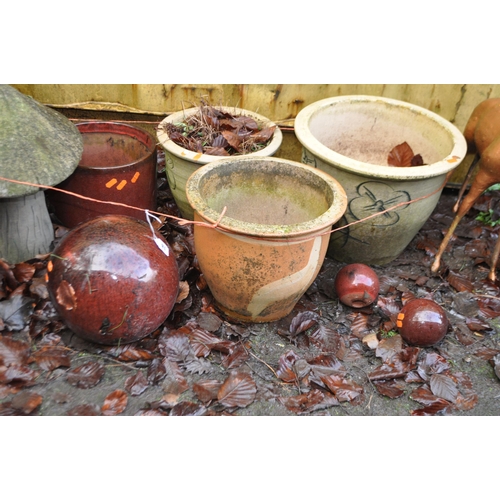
x,y
113,280
357,285
422,322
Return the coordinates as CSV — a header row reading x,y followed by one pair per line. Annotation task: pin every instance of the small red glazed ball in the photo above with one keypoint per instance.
x,y
113,280
357,285
422,322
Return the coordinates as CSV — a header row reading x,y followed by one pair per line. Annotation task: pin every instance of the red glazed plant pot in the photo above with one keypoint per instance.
x,y
110,281
118,165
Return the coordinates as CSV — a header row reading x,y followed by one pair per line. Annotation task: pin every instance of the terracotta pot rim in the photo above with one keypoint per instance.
x,y
311,143
304,229
121,129
202,159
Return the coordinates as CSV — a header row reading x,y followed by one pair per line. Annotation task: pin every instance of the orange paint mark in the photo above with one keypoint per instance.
x,y
453,159
121,185
401,316
46,277
399,324
50,266
111,183
197,157
136,176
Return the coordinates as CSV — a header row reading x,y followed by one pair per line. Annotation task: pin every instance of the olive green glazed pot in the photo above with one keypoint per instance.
x,y
350,138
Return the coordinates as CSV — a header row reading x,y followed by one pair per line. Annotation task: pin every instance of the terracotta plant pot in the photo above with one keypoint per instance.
x,y
181,162
118,165
350,138
270,245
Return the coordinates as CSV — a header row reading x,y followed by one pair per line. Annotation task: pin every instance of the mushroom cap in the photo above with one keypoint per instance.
x,y
37,144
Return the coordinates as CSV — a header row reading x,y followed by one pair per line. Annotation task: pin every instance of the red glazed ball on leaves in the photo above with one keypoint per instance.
x,y
357,285
113,280
422,322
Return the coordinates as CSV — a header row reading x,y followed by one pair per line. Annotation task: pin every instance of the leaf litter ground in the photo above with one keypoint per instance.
x,y
323,359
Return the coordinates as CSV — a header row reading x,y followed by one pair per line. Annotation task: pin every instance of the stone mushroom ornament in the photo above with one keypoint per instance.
x,y
37,145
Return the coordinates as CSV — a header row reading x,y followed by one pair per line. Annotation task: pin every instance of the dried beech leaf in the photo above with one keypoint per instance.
x,y
303,402
328,340
391,388
207,390
65,295
26,401
187,408
15,311
18,374
344,389
156,371
136,384
183,291
443,387
433,363
489,307
208,321
477,325
130,352
401,155
87,375
388,347
397,366
359,325
238,390
440,407
219,151
303,321
174,381
115,403
23,272
50,358
248,122
326,364
467,398
233,139
425,396
459,282
236,357
286,364
263,135
13,351
417,161
38,288
85,410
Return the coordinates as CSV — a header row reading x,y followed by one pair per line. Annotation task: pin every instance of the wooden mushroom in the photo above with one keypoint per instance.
x,y
38,145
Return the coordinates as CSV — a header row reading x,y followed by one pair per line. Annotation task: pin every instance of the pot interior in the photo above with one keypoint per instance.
x,y
270,194
113,147
367,131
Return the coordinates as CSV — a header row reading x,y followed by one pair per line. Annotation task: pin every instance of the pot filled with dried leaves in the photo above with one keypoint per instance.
x,y
265,232
196,136
392,158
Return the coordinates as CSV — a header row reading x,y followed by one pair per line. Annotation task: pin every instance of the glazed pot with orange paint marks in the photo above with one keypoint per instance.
x,y
118,165
273,218
180,162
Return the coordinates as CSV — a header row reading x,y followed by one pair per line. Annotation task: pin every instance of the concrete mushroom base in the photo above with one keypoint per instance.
x,y
25,227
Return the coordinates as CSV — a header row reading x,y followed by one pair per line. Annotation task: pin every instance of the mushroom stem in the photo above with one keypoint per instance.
x,y
25,227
